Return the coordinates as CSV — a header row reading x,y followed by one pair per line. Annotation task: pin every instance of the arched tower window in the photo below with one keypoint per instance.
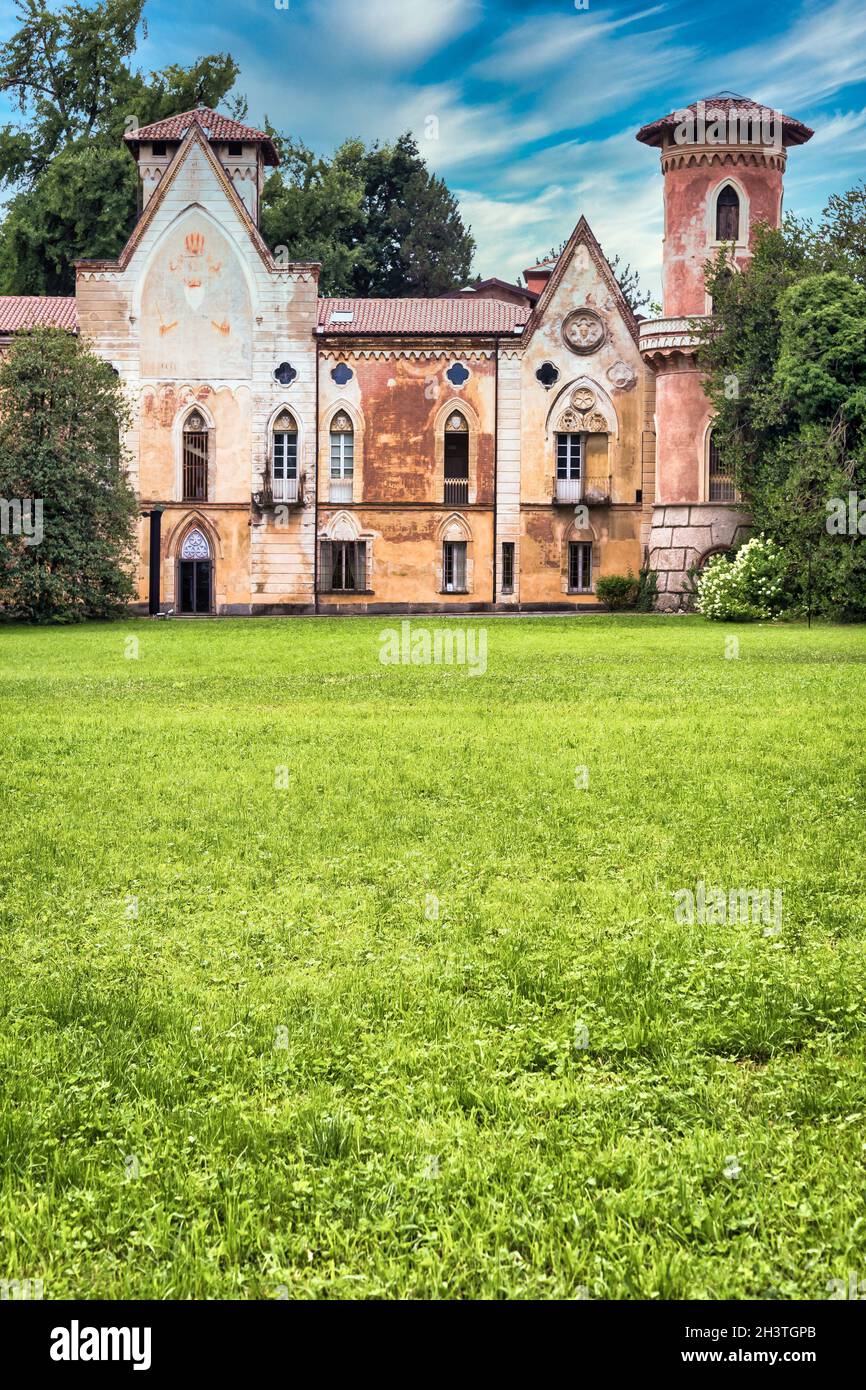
x,y
342,457
720,481
195,458
727,215
456,459
284,458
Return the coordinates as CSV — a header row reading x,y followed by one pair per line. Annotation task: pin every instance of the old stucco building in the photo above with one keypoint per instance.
x,y
498,447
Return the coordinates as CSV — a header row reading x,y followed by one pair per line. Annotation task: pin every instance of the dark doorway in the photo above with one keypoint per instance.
x,y
195,586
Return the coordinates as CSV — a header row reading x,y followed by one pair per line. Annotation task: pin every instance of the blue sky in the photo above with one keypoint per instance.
x,y
536,104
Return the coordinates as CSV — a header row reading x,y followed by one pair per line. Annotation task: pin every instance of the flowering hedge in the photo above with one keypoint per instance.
x,y
750,586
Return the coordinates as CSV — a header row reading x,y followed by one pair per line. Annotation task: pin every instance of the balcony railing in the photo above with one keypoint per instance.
x,y
596,490
569,489
279,492
284,489
456,492
340,490
593,490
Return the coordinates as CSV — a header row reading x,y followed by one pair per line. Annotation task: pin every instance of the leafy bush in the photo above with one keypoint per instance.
x,y
748,587
647,590
617,590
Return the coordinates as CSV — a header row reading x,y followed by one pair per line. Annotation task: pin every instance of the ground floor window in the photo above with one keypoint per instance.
x,y
508,567
580,567
343,566
454,567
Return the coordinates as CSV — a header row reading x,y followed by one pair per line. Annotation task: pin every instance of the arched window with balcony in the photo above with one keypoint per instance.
x,y
456,460
342,451
284,458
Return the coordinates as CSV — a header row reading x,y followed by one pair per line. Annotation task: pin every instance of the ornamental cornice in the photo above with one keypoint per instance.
x,y
420,354
694,156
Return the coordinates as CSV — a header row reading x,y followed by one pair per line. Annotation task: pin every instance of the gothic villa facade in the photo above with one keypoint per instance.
x,y
497,448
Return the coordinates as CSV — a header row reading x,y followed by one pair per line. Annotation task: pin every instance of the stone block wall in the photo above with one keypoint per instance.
x,y
682,536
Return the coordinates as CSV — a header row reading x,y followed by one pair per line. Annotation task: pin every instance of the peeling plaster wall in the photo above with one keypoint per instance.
x,y
614,372
197,316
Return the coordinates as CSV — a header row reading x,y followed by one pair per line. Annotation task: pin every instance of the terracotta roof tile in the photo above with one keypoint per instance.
x,y
434,316
19,311
793,131
215,126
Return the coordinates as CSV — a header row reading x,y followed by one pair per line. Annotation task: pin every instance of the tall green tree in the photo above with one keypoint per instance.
x,y
785,356
69,71
62,418
380,222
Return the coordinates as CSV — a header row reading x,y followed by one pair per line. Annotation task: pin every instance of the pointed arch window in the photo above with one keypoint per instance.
x,y
284,458
195,574
195,457
456,459
728,215
342,442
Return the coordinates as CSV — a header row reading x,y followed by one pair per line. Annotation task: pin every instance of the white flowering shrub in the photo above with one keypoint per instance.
x,y
750,586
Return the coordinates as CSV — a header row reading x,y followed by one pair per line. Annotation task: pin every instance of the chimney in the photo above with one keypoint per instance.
x,y
537,276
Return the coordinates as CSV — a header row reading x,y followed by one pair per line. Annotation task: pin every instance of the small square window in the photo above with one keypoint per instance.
x,y
236,149
157,149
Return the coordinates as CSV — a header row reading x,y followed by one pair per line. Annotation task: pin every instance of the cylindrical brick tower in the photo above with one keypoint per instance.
x,y
723,160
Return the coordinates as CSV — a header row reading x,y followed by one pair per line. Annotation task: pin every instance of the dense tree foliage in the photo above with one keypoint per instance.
x,y
75,188
377,219
62,417
786,360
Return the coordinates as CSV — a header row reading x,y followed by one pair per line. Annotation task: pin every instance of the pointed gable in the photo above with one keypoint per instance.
x,y
582,236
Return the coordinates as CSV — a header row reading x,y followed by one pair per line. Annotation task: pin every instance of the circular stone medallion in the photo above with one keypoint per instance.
x,y
583,331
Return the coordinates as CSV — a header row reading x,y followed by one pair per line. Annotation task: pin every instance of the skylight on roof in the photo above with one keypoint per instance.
x,y
342,315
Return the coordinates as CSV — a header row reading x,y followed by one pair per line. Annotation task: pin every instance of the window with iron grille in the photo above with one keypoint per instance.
x,y
727,215
454,567
343,566
721,482
195,459
580,567
507,585
569,456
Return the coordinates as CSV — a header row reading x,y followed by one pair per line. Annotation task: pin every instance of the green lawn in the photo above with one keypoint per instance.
x,y
405,1009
